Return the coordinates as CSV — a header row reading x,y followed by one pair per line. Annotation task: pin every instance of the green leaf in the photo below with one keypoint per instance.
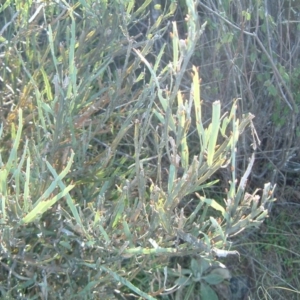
x,y
27,186
221,271
142,8
196,267
214,204
43,206
171,177
272,90
175,43
205,264
213,278
247,15
47,84
218,228
214,131
130,6
13,153
183,281
183,126
198,112
66,245
253,57
227,38
190,291
127,283
207,293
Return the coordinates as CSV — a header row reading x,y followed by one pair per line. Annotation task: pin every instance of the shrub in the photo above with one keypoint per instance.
x,y
101,148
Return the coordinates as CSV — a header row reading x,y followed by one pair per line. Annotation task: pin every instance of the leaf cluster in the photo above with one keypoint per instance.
x,y
96,156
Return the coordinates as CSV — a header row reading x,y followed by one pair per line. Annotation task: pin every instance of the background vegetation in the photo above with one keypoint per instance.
x,y
122,179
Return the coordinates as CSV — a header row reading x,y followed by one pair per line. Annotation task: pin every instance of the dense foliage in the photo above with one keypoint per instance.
x,y
121,175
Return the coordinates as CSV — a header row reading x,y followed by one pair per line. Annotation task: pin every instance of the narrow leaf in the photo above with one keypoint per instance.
x,y
214,132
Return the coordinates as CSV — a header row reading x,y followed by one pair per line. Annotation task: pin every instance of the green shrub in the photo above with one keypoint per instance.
x,y
101,158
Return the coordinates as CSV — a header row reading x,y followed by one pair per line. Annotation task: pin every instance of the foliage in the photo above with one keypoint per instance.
x,y
249,50
106,145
